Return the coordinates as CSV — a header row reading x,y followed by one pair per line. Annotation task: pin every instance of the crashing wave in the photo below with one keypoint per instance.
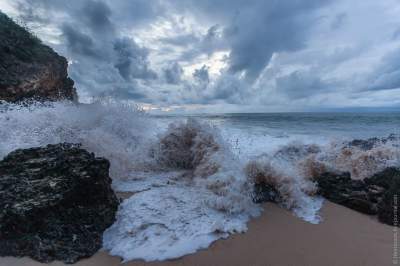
x,y
188,186
292,169
362,163
359,160
279,172
116,131
208,199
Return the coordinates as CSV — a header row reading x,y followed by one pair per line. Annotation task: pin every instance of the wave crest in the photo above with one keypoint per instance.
x,y
188,145
205,197
295,192
188,186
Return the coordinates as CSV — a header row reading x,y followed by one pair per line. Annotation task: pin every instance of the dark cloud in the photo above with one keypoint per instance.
x,y
252,31
78,42
268,27
121,49
256,29
339,21
103,61
134,13
229,89
212,33
173,73
387,74
28,13
124,93
132,60
206,44
96,15
396,34
181,40
301,84
202,74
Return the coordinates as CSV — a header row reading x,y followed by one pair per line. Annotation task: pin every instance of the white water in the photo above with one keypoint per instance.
x,y
190,180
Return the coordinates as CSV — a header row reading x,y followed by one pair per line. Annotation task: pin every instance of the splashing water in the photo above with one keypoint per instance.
x,y
191,183
192,190
116,131
210,199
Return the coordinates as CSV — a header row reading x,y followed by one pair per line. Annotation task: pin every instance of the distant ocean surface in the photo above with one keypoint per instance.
x,y
257,131
346,125
192,177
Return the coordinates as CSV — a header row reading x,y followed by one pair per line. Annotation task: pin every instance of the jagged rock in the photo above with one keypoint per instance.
x,y
265,193
368,144
374,195
364,144
29,69
389,181
55,203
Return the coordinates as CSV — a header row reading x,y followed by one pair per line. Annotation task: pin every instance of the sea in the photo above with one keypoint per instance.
x,y
190,178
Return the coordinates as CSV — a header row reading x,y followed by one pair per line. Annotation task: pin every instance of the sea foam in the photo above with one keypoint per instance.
x,y
190,182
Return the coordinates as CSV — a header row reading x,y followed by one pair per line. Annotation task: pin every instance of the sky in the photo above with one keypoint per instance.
x,y
225,55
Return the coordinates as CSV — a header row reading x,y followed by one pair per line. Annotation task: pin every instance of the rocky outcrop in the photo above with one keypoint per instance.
x,y
368,144
55,203
264,192
29,69
376,195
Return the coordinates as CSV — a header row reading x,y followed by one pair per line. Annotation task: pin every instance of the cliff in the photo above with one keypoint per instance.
x,y
30,69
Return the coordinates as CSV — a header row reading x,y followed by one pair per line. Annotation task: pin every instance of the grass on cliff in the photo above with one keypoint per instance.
x,y
19,43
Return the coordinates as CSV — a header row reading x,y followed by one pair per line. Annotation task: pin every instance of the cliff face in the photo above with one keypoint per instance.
x,y
30,69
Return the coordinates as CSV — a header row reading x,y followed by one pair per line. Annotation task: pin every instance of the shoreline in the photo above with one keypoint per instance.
x,y
277,237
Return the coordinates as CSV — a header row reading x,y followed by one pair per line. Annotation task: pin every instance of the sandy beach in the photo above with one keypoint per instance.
x,y
276,238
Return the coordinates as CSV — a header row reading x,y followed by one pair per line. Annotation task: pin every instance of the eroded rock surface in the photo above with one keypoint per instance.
x,y
368,144
376,195
55,203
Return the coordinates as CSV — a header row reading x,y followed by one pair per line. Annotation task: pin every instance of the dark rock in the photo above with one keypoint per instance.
x,y
364,144
376,195
388,206
361,205
341,189
368,144
55,203
383,179
265,193
29,69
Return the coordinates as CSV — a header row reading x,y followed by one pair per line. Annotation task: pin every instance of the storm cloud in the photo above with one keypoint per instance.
x,y
261,54
387,74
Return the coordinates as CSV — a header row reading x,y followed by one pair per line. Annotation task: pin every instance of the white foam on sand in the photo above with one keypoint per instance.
x,y
169,221
176,213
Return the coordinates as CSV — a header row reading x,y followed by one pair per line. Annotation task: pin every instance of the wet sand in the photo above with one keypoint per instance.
x,y
276,238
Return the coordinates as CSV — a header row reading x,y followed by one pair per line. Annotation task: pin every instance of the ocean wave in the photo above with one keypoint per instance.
x,y
116,131
209,198
279,171
190,182
360,162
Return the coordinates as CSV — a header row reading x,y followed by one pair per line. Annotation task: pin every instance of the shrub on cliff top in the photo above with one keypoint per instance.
x,y
19,42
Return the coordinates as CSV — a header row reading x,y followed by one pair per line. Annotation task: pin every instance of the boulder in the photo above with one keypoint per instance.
x,y
55,203
376,195
264,192
29,69
389,181
368,144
